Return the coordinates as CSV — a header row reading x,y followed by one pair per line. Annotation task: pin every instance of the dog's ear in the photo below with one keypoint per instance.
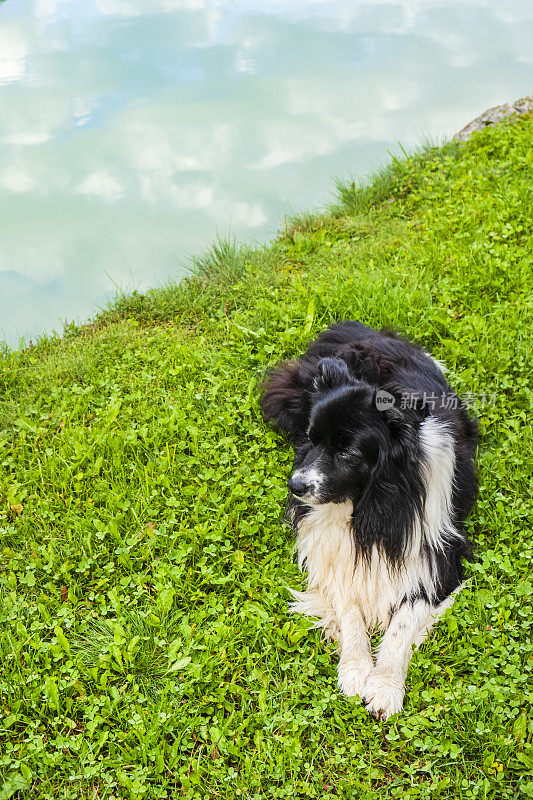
x,y
286,397
331,374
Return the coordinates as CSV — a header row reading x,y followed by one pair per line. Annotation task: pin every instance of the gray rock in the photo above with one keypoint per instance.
x,y
493,116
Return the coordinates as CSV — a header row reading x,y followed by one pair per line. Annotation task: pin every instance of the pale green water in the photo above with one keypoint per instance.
x,y
131,130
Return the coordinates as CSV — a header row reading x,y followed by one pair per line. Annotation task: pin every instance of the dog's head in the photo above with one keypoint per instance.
x,y
347,437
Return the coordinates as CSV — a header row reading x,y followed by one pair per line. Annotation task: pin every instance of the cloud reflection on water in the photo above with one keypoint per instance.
x,y
131,130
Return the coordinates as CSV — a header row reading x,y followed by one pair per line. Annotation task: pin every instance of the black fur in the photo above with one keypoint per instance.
x,y
325,402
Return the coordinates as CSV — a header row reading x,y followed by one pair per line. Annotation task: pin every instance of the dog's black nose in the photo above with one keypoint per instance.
x,y
298,487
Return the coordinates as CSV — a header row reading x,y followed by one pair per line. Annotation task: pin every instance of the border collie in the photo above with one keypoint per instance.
x,y
383,480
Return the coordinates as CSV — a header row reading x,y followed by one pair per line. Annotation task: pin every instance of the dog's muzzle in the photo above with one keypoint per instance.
x,y
299,487
305,485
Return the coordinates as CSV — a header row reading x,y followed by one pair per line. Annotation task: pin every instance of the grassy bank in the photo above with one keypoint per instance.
x,y
146,647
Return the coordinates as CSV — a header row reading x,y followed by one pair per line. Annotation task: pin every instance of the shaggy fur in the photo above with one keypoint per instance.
x,y
379,496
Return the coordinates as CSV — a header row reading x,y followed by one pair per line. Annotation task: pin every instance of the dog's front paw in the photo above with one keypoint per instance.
x,y
353,674
384,693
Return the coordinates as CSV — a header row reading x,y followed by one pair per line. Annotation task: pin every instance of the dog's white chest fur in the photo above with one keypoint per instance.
x,y
325,548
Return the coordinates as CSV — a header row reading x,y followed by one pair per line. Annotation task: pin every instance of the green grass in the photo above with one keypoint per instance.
x,y
146,647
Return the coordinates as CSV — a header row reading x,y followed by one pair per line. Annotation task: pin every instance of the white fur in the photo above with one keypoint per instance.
x,y
325,547
439,463
350,597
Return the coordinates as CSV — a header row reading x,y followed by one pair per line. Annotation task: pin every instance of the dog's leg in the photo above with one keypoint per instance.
x,y
408,628
355,662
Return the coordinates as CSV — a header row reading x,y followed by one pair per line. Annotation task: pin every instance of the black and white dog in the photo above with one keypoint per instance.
x,y
383,480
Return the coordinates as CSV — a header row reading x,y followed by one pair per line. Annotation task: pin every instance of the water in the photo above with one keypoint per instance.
x,y
132,130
